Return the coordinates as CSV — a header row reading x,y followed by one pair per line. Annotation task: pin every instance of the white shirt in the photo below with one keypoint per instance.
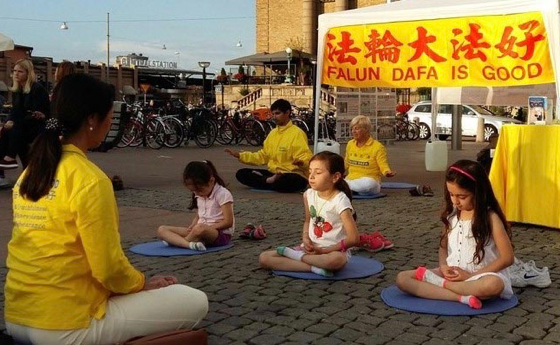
x,y
325,224
210,208
461,246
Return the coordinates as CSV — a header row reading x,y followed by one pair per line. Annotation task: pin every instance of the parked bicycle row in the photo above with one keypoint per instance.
x,y
176,125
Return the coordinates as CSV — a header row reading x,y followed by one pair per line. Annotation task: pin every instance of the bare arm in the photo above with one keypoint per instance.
x,y
227,222
194,222
305,233
352,235
503,244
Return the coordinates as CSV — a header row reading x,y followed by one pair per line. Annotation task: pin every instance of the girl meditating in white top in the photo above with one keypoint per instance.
x,y
475,246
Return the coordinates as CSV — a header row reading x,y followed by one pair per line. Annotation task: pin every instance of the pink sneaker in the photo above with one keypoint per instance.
x,y
370,243
387,244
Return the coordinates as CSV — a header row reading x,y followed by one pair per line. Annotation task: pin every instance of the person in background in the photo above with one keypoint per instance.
x,y
366,159
26,121
285,152
68,280
214,223
63,69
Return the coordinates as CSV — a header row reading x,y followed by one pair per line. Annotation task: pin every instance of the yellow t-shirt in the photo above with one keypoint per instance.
x,y
65,258
282,146
370,160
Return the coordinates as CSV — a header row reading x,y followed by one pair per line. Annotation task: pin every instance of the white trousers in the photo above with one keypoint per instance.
x,y
365,185
171,308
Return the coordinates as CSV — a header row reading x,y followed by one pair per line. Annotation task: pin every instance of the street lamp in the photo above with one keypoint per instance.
x,y
178,54
313,76
64,26
204,65
288,76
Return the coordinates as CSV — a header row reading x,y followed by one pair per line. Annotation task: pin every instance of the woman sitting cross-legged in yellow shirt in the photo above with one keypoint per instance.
x,y
68,279
366,159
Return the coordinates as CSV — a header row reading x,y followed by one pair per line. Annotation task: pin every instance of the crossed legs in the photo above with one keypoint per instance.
x,y
483,288
195,238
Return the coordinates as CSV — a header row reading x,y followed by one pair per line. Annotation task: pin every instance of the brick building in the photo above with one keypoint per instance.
x,y
283,23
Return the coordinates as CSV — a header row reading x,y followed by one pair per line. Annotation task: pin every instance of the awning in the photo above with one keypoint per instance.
x,y
6,43
129,90
3,86
260,59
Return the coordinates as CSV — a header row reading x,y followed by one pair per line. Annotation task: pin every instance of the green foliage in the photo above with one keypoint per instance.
x,y
244,92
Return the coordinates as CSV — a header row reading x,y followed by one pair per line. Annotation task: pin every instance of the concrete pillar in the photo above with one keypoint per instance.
x,y
309,23
340,5
119,85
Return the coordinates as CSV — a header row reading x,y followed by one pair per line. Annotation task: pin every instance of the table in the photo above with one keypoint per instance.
x,y
525,174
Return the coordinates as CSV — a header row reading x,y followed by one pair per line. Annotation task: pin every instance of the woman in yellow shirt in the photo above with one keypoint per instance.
x,y
366,159
68,279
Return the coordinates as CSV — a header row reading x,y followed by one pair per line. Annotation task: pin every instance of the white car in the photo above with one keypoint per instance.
x,y
421,112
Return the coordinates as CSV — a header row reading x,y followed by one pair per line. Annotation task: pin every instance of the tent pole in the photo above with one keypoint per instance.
x,y
318,76
434,112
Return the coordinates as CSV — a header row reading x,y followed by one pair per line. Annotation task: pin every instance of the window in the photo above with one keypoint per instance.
x,y
445,109
424,108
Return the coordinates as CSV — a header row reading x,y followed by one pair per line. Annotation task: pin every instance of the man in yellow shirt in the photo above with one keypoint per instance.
x,y
285,152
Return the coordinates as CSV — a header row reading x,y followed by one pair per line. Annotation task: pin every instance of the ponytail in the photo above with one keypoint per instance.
x,y
343,186
75,98
200,174
45,154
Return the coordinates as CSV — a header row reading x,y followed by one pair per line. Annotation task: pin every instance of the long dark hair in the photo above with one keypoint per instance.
x,y
75,98
200,174
335,164
470,175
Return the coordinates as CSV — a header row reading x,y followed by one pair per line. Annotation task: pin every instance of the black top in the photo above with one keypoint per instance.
x,y
36,100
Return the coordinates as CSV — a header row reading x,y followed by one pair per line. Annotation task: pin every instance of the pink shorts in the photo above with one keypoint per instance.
x,y
222,240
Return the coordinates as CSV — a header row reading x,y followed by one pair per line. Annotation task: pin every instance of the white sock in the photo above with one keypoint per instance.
x,y
197,246
425,275
321,271
290,253
471,301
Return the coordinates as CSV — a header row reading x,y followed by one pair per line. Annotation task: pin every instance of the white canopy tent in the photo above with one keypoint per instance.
x,y
411,10
6,43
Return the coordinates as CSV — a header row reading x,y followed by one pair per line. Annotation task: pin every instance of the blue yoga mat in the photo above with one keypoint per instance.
x,y
396,298
357,267
397,185
158,248
368,196
257,190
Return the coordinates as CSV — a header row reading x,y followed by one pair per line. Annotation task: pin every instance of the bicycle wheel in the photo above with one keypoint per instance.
x,y
204,133
128,134
136,132
416,130
155,134
174,132
225,134
254,132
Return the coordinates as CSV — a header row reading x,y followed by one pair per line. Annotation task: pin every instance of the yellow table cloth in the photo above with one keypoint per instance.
x,y
525,174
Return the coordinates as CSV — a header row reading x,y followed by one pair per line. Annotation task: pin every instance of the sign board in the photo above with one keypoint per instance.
x,y
537,110
494,50
378,104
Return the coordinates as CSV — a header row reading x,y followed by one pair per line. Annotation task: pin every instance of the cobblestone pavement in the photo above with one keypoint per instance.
x,y
248,305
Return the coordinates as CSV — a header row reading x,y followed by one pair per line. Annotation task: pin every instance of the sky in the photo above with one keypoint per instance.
x,y
191,30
